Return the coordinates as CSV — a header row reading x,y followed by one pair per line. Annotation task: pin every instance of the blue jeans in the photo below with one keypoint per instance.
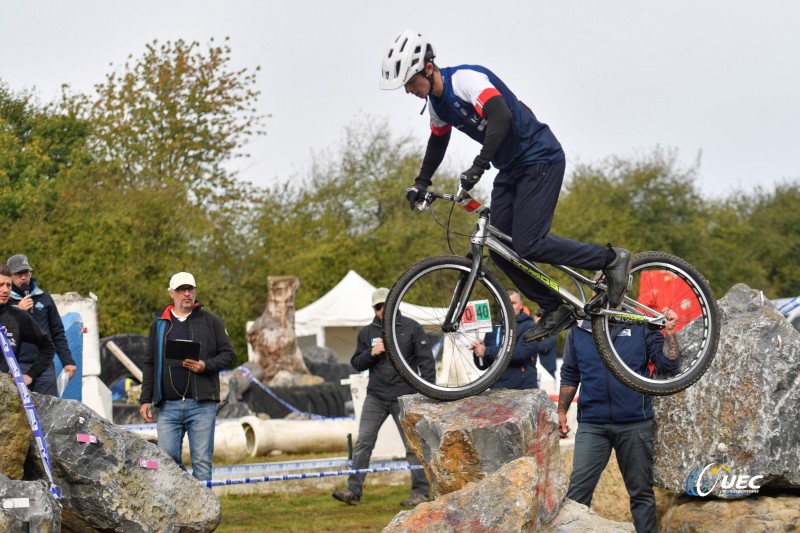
x,y
633,443
177,418
373,414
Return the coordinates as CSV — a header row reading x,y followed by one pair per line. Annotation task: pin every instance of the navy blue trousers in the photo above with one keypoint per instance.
x,y
523,203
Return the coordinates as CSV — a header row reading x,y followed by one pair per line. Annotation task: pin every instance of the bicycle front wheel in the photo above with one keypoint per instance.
x,y
660,280
424,293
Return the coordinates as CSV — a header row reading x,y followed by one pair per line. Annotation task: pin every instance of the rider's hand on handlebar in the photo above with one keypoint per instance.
x,y
471,176
416,193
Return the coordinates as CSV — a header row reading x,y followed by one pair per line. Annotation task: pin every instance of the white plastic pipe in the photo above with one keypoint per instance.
x,y
263,436
229,443
236,439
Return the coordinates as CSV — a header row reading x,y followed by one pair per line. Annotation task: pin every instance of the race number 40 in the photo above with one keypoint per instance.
x,y
476,315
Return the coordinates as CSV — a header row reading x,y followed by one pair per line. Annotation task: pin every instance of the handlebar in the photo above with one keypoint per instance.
x,y
462,199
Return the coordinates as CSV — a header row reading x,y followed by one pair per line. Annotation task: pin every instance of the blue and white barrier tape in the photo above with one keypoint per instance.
x,y
265,468
153,427
307,475
291,408
30,409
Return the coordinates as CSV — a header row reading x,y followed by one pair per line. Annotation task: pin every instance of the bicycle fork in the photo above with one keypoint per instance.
x,y
466,282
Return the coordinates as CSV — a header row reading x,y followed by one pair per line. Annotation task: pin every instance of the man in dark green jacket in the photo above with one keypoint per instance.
x,y
184,384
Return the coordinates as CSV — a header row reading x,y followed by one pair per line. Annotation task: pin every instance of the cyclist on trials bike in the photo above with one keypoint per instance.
x,y
527,155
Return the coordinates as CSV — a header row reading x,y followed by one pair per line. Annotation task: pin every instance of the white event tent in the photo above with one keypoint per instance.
x,y
336,318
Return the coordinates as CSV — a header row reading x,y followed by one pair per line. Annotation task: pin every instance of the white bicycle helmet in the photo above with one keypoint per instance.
x,y
406,56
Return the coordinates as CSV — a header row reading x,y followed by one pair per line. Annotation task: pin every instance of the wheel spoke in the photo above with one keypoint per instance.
x,y
425,293
663,281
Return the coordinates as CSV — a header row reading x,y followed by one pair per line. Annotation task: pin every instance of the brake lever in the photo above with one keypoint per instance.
x,y
427,200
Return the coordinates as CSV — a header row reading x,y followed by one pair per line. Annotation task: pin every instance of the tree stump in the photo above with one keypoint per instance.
x,y
272,334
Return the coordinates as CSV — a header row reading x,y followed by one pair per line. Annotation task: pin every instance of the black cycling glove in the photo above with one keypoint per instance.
x,y
416,193
471,176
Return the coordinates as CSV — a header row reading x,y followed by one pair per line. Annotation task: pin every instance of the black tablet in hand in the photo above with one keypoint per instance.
x,y
182,349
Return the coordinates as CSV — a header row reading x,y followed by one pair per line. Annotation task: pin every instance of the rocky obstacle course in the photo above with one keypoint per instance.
x,y
742,415
105,485
741,418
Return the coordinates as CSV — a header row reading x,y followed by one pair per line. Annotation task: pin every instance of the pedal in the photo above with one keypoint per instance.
x,y
595,305
568,322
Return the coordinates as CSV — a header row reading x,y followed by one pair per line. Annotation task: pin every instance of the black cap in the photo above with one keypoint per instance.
x,y
19,263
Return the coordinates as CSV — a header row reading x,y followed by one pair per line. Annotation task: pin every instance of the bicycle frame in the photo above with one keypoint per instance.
x,y
490,237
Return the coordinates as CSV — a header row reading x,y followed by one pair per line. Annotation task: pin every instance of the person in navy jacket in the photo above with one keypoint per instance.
x,y
610,415
521,371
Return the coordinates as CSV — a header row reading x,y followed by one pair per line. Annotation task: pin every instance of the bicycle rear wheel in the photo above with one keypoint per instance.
x,y
424,293
662,280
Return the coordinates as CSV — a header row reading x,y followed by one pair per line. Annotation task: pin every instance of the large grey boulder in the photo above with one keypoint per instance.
x,y
103,485
742,416
16,434
28,506
578,518
464,441
505,500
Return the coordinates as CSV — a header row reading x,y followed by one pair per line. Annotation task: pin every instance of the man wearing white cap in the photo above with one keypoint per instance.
x,y
186,350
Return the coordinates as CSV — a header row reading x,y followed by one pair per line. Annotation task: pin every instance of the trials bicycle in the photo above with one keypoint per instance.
x,y
458,300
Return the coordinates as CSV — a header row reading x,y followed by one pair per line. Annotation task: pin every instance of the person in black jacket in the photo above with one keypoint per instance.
x,y
186,391
610,415
521,371
384,388
28,296
20,327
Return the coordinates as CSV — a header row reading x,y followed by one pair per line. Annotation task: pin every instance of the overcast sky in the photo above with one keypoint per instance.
x,y
716,78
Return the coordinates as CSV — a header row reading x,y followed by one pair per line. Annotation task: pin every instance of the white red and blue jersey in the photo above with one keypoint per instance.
x,y
466,89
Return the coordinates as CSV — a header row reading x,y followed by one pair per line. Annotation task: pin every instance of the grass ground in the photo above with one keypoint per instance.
x,y
313,510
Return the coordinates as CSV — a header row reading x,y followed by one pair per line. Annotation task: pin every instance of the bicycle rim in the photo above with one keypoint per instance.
x,y
662,280
424,293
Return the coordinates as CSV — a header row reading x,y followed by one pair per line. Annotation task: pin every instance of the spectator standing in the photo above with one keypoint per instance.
x,y
186,391
19,327
383,389
612,416
521,371
28,296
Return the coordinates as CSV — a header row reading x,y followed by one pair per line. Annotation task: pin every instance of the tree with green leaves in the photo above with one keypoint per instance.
x,y
36,145
176,116
351,214
773,242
